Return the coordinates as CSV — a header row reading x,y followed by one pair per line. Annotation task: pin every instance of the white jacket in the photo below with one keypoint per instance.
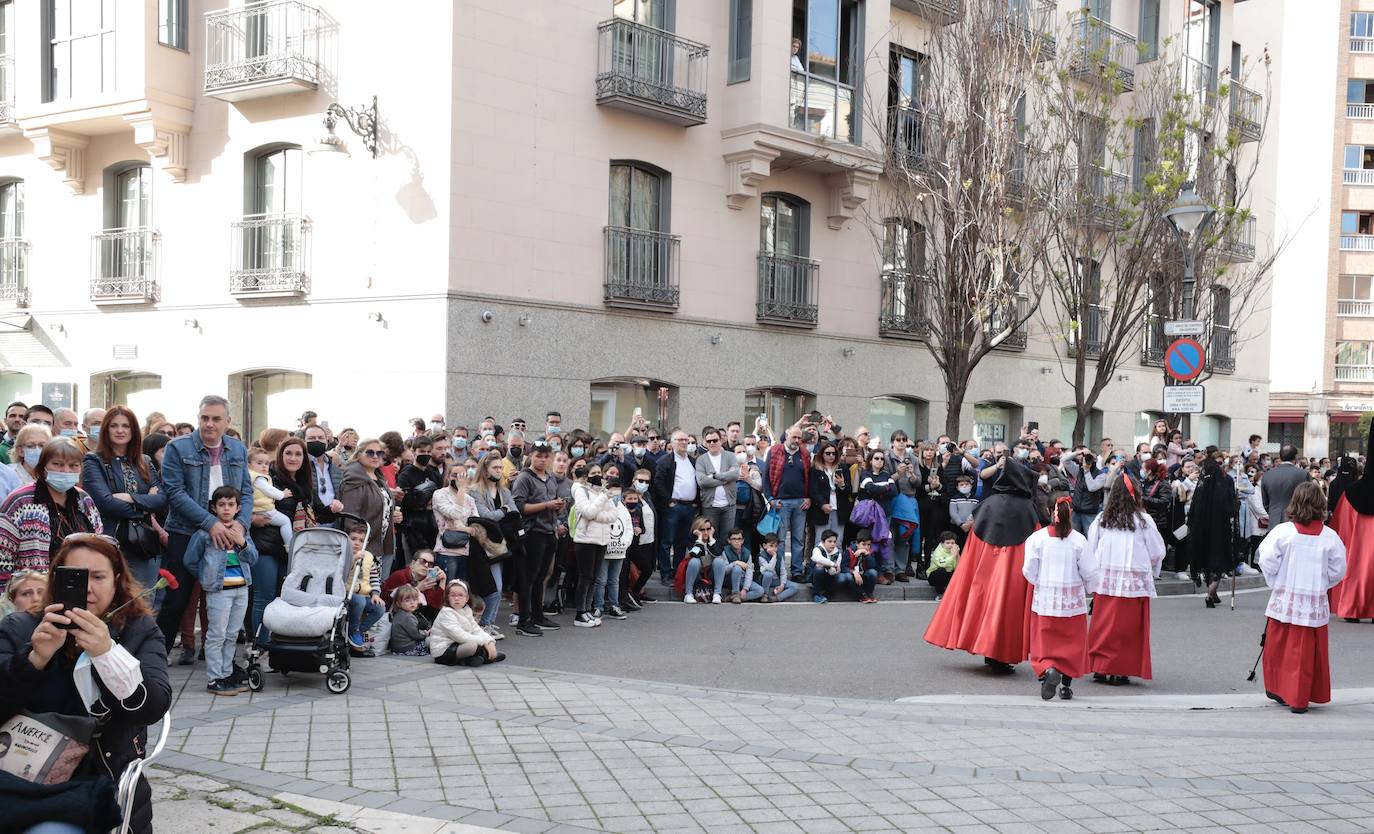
x,y
1129,559
1061,570
595,511
1301,569
455,625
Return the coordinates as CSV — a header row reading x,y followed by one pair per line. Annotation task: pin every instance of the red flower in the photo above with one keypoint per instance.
x,y
168,578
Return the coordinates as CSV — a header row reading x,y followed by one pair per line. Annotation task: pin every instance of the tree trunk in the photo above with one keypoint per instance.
x,y
955,390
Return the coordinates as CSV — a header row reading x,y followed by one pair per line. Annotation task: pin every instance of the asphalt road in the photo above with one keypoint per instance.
x,y
844,649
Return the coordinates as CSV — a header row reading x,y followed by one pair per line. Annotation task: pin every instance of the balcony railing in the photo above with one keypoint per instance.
x,y
14,271
1237,242
1359,176
270,255
1103,52
1102,195
1152,348
1360,308
1358,110
261,49
650,71
1091,332
1222,356
6,90
821,107
903,312
1198,81
124,266
1357,243
1032,22
1015,311
942,12
1247,112
916,139
789,287
1355,373
1362,44
641,268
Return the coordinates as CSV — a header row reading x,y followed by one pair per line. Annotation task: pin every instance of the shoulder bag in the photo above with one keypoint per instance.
x,y
136,536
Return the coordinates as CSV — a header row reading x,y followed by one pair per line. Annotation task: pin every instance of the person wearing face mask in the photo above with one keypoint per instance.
x,y
643,553
962,506
35,518
577,449
327,476
90,427
562,574
515,453
28,445
594,512
418,482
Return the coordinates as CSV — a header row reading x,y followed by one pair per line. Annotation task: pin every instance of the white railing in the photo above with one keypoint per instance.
x,y
124,265
1355,373
6,89
1355,110
270,254
1359,176
1357,243
1357,308
261,42
14,270
1362,44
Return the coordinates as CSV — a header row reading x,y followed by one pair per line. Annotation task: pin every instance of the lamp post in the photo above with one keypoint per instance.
x,y
361,120
1188,216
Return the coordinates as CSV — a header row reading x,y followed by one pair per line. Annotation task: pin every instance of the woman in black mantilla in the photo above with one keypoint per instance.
x,y
1210,535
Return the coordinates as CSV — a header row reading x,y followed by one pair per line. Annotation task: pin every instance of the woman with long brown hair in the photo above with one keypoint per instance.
x,y
1128,546
128,670
126,489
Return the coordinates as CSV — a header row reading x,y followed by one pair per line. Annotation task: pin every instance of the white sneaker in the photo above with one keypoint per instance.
x,y
1246,570
515,619
584,620
494,632
715,599
1184,575
689,599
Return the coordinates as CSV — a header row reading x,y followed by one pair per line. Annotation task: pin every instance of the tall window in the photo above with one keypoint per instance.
x,y
649,12
1355,288
639,255
1359,157
171,23
903,246
1146,152
79,48
826,64
1149,29
13,250
1201,32
12,210
272,243
276,182
6,54
1100,9
782,226
636,197
133,199
1362,25
1357,223
741,35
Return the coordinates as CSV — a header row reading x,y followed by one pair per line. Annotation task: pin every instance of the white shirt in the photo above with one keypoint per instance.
x,y
719,498
323,485
1301,569
1061,571
1130,559
217,472
684,478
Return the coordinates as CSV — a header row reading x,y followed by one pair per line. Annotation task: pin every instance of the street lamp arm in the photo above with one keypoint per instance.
x,y
361,120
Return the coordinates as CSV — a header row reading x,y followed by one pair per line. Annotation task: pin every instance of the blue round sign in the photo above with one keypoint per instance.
x,y
1184,360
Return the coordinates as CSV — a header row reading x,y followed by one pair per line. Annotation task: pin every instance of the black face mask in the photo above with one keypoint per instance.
x,y
578,473
495,479
613,481
594,480
315,447
423,460
515,452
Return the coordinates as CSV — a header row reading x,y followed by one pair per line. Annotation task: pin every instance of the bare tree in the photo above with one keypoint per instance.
x,y
963,248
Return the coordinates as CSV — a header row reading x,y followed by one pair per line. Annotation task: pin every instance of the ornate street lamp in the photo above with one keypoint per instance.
x,y
361,120
1189,216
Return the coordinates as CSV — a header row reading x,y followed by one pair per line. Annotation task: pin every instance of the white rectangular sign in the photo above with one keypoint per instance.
x,y
1183,328
1183,399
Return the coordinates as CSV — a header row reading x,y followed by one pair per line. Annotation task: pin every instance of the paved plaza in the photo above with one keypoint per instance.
x,y
702,730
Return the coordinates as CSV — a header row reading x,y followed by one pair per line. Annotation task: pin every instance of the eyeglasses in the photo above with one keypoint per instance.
x,y
374,453
429,563
713,440
88,536
829,453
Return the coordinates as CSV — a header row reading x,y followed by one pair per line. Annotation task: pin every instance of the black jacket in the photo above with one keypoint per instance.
x,y
124,733
661,486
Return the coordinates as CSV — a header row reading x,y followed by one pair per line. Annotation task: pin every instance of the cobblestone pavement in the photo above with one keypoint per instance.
x,y
525,750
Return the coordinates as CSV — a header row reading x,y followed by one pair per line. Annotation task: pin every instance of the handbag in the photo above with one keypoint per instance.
x,y
454,539
45,747
770,522
136,536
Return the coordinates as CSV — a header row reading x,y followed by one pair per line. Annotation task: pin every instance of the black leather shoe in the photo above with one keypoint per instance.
x,y
1048,682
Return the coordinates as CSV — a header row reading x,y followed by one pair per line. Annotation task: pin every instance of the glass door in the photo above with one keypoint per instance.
x,y
270,239
130,250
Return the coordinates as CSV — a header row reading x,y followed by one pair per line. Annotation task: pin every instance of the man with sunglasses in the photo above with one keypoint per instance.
x,y
717,473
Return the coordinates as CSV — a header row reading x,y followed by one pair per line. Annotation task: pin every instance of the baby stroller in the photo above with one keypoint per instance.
x,y
308,623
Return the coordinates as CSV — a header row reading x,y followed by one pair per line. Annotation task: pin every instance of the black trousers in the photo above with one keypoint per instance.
x,y
174,601
589,557
532,565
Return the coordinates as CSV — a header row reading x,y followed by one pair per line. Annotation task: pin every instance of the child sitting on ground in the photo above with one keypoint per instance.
x,y
456,638
409,630
943,559
266,496
766,580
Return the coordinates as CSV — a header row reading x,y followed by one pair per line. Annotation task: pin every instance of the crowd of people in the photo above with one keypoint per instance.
x,y
177,524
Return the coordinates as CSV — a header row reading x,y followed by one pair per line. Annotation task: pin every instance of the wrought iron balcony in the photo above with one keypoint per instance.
x,y
1357,243
1103,53
647,70
8,125
916,140
1101,196
1198,80
1000,320
14,271
1031,22
1355,308
1152,349
641,269
270,256
261,49
942,12
789,287
1222,357
1355,373
903,313
1237,243
124,266
1091,332
1247,112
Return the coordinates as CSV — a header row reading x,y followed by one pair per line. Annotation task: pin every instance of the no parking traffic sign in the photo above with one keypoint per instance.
x,y
1184,359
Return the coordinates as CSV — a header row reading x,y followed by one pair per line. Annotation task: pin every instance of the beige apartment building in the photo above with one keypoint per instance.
x,y
594,206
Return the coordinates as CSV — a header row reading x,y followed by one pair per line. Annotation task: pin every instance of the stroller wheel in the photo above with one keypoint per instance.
x,y
338,681
255,679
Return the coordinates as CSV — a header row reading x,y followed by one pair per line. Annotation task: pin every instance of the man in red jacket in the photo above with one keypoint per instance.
x,y
785,486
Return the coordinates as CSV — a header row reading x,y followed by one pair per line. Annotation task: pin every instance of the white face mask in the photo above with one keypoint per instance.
x,y
749,450
1044,480
965,490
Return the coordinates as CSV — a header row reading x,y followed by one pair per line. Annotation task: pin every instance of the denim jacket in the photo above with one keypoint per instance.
x,y
186,480
206,562
95,479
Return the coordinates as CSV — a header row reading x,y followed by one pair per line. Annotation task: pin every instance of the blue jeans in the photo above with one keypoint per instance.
x,y
1083,521
363,614
823,584
225,610
493,599
769,582
55,828
266,574
454,567
792,523
718,566
145,571
607,587
675,537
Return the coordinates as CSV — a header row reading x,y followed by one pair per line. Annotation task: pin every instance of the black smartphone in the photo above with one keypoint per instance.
x,y
70,588
1032,426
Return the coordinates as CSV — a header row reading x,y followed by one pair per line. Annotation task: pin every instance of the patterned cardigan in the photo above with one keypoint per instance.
x,y
25,530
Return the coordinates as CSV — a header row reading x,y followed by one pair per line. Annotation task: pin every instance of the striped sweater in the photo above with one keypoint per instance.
x,y
25,530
